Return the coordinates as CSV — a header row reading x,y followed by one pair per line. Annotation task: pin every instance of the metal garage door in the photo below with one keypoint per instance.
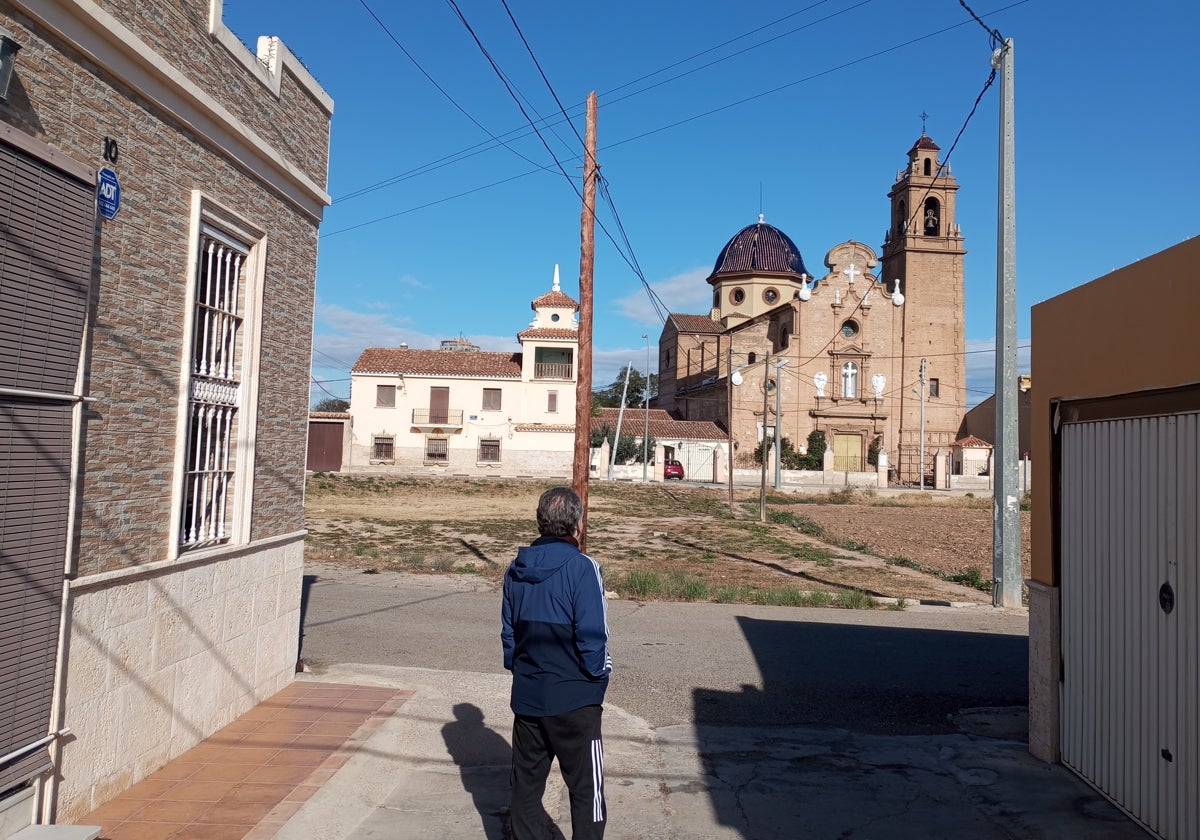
x,y
47,235
325,446
1130,599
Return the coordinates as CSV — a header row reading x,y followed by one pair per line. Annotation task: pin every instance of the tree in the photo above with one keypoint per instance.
x,y
610,397
629,447
332,404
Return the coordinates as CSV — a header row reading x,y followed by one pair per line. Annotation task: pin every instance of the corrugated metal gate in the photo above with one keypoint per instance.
x,y
1130,602
47,236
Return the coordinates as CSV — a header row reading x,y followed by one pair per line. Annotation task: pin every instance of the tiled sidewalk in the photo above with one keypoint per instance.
x,y
248,779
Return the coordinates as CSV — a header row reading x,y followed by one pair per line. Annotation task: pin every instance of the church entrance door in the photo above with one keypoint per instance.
x,y
847,453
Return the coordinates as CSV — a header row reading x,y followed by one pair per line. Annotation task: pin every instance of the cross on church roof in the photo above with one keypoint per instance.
x,y
851,272
924,117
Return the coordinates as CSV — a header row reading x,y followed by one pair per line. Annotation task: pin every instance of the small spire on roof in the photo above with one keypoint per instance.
x,y
924,117
556,277
761,220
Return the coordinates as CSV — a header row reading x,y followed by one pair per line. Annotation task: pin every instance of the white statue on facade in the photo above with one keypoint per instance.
x,y
877,383
819,380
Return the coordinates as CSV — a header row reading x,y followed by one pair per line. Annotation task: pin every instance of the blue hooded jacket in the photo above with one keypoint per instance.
x,y
555,629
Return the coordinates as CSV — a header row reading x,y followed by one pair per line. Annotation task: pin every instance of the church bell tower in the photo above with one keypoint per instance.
x,y
923,250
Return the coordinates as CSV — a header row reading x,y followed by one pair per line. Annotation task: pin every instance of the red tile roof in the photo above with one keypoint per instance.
x,y
696,324
662,425
971,440
549,332
925,142
397,360
543,427
560,299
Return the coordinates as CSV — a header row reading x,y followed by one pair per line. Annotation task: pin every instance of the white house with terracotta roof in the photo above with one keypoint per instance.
x,y
460,410
699,445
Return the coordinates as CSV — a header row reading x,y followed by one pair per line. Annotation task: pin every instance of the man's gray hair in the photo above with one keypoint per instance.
x,y
559,511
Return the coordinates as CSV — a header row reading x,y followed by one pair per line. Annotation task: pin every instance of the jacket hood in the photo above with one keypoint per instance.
x,y
535,563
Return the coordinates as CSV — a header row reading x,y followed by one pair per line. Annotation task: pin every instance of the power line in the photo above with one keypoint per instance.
x,y
440,89
453,158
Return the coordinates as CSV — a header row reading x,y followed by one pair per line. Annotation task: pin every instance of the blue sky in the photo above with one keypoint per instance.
x,y
708,112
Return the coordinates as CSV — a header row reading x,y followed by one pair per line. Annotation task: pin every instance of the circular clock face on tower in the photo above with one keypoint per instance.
x,y
850,329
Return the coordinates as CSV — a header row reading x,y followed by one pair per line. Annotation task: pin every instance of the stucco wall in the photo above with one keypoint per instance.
x,y
1128,331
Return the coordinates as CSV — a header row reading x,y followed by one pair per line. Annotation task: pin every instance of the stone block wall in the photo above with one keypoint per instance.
x,y
160,660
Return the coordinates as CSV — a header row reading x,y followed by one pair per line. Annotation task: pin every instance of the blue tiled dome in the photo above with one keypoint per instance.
x,y
760,248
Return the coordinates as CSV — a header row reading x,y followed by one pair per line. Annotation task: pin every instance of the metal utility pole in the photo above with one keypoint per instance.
x,y
762,491
646,397
587,265
1006,503
612,461
729,413
778,409
921,464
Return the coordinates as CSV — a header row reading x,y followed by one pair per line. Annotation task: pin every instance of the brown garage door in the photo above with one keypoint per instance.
x,y
325,446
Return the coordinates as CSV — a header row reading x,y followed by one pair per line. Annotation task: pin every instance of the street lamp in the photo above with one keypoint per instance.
x,y
736,378
646,430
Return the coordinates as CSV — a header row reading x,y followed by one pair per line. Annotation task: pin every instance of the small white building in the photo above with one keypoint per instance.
x,y
459,410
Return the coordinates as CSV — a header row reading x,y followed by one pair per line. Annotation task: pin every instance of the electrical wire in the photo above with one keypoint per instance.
x,y
476,149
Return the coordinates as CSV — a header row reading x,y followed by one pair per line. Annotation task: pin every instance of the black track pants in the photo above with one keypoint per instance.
x,y
574,738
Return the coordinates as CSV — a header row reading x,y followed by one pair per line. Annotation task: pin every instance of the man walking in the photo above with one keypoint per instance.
x,y
555,638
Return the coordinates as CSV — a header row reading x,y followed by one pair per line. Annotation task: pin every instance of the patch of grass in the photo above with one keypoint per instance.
x,y
819,598
442,564
841,497
688,587
899,606
813,553
414,561
779,596
727,593
853,545
972,577
642,583
467,569
855,599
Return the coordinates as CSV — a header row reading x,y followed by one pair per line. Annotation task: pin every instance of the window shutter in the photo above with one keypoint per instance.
x,y
47,237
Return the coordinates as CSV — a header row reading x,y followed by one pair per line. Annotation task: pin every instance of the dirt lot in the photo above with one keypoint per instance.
x,y
670,541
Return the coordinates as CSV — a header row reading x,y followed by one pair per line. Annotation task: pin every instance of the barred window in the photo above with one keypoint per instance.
x,y
214,393
385,396
436,450
489,451
491,399
383,448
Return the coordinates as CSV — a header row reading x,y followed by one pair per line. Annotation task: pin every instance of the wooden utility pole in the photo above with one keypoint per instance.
x,y
587,263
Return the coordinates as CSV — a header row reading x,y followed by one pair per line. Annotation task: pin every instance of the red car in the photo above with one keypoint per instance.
x,y
672,469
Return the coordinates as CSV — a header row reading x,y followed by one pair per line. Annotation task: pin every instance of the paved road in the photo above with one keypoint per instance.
x,y
722,721
877,671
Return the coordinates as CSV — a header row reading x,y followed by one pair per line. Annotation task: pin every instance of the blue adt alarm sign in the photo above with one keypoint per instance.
x,y
108,193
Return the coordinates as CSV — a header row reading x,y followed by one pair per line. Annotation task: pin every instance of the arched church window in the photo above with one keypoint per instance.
x,y
928,166
901,217
850,381
933,217
716,298
751,358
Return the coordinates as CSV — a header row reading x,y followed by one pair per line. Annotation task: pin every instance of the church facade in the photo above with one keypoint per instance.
x,y
870,352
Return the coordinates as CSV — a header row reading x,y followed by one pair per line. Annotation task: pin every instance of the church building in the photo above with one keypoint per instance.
x,y
870,352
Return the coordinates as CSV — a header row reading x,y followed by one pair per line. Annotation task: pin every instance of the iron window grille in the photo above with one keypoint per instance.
x,y
383,448
437,450
214,391
489,451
